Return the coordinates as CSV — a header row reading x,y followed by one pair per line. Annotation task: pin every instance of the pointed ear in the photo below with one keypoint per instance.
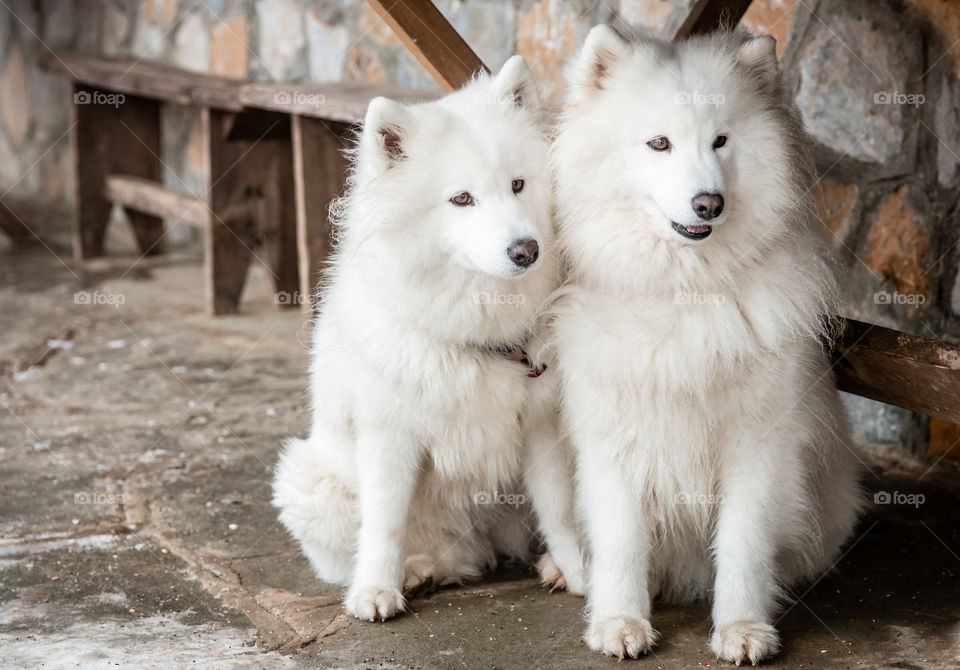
x,y
515,82
602,50
759,57
386,132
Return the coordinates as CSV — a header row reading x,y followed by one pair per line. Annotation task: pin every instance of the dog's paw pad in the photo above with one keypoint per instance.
x,y
373,603
745,642
621,637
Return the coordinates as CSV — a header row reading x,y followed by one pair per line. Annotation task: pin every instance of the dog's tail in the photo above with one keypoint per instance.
x,y
318,507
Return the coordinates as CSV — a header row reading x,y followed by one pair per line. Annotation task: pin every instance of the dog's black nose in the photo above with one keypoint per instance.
x,y
707,205
524,253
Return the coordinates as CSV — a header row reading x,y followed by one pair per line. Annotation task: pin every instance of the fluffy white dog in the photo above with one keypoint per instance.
x,y
712,449
413,467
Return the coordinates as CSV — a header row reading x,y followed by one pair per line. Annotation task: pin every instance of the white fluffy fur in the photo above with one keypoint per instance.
x,y
414,413
712,450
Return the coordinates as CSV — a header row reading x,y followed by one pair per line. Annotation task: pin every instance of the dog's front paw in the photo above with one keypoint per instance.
x,y
371,603
553,577
745,641
621,636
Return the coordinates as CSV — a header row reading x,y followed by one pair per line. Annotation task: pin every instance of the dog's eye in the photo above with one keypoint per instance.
x,y
660,143
720,141
517,185
462,199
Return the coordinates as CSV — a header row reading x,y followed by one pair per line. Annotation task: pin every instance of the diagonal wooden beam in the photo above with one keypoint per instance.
x,y
430,37
917,373
707,16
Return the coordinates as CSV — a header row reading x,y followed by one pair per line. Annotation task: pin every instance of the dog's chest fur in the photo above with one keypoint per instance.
x,y
463,407
669,376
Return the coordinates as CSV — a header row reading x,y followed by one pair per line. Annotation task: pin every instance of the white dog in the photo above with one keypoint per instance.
x,y
413,466
712,447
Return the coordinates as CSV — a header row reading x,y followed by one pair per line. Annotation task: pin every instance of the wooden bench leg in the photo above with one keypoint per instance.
x,y
276,220
14,227
231,234
116,134
319,171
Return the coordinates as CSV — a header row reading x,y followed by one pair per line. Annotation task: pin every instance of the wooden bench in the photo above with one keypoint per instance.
x,y
272,160
918,373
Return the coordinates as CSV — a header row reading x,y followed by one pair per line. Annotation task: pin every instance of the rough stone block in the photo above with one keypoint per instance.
x,y
857,74
899,247
281,38
229,48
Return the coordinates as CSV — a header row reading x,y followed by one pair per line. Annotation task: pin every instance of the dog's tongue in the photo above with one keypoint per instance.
x,y
697,229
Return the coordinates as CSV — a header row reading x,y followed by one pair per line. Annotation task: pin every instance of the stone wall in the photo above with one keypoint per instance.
x,y
876,81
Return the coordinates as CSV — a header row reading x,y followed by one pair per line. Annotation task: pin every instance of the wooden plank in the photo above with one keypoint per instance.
x,y
346,102
917,373
153,198
149,80
320,170
706,16
431,38
122,136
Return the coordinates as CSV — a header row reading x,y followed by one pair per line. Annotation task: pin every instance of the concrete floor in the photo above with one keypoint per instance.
x,y
137,442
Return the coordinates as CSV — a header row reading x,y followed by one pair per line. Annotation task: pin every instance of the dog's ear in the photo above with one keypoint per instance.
x,y
759,57
386,131
601,51
515,83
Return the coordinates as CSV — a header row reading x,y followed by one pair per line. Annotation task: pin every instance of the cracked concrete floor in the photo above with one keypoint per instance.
x,y
137,441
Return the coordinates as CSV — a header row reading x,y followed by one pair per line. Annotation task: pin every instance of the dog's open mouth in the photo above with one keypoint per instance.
x,y
693,232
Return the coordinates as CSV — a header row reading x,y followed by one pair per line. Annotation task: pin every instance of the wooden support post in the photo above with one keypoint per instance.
x,y
707,16
319,170
231,234
431,38
277,216
115,134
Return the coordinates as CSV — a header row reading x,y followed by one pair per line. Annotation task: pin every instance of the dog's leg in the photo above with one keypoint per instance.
x,y
548,475
618,595
387,474
745,590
